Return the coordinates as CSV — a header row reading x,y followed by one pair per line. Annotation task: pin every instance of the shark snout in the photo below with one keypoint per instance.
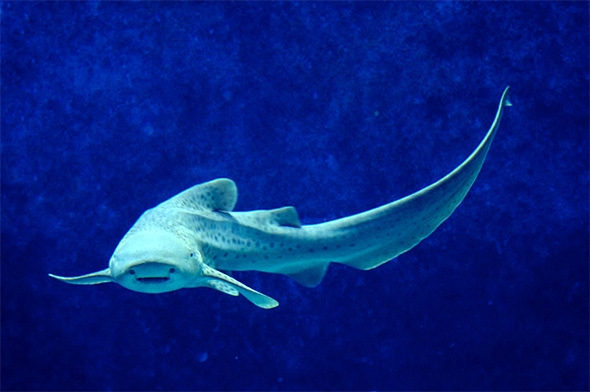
x,y
152,277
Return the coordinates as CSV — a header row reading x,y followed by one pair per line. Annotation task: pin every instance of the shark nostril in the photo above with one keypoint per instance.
x,y
131,272
172,270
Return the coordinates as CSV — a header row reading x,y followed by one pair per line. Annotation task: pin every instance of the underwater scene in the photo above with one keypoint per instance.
x,y
314,196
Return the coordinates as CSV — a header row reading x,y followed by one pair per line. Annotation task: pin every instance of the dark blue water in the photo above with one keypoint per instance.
x,y
335,108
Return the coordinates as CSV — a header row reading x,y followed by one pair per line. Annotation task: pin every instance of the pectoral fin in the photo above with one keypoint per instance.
x,y
103,276
226,284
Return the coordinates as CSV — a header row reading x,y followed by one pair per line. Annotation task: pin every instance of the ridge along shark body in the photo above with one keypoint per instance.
x,y
185,241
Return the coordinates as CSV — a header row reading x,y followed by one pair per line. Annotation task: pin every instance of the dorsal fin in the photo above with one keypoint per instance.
x,y
216,195
285,217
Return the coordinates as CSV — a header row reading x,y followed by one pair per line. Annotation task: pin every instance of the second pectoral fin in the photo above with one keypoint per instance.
x,y
226,284
103,276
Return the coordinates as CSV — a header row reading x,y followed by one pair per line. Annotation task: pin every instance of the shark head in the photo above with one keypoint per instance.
x,y
154,261
149,261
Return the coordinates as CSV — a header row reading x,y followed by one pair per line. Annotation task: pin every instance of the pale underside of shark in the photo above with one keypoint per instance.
x,y
186,240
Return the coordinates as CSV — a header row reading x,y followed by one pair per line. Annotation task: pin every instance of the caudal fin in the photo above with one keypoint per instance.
x,y
377,236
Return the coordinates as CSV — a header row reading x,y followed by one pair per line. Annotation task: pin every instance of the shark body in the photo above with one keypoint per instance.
x,y
186,240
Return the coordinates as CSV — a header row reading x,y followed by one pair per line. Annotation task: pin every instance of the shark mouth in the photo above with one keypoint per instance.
x,y
153,280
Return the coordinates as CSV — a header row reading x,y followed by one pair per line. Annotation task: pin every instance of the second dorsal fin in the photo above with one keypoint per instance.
x,y
285,216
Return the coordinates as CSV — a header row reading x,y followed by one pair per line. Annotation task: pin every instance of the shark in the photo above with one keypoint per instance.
x,y
195,239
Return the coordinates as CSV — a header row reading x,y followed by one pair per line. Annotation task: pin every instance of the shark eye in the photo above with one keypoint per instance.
x,y
192,254
172,270
131,272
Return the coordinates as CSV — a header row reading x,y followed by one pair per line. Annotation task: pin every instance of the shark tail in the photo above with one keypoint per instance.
x,y
371,238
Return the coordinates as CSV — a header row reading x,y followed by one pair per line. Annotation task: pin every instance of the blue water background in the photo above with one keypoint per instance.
x,y
335,108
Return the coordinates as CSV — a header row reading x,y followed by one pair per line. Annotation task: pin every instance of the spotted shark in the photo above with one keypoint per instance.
x,y
188,240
